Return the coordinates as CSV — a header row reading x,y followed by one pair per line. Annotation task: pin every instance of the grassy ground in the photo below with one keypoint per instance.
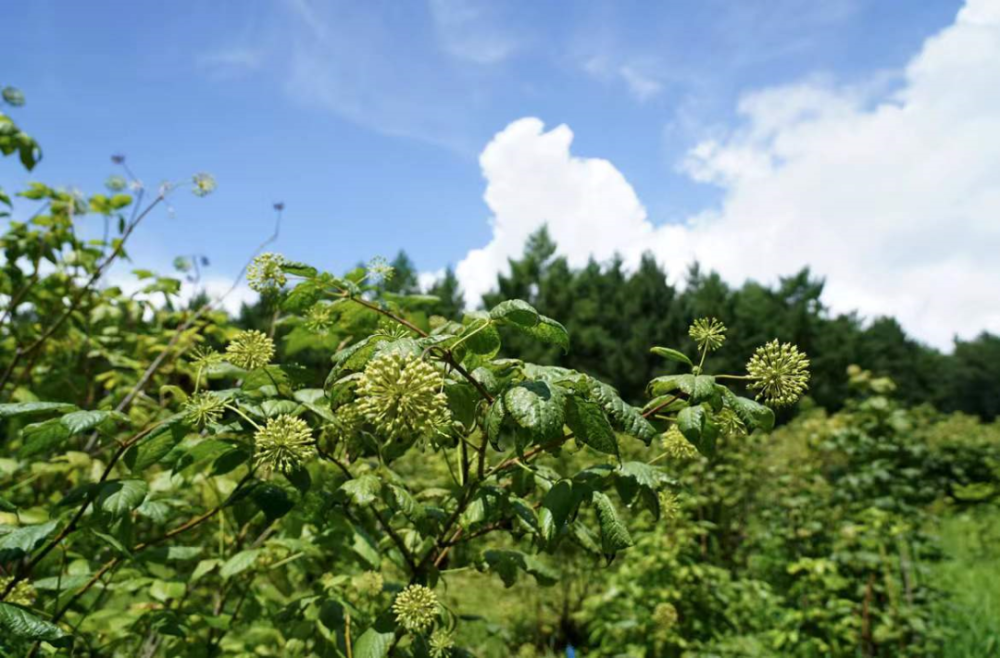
x,y
972,576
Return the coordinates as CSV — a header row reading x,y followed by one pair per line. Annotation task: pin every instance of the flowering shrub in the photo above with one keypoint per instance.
x,y
174,485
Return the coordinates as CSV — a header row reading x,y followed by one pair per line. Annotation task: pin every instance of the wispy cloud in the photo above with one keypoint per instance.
x,y
231,62
472,30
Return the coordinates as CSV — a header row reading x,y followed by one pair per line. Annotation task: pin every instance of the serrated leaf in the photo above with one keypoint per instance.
x,y
19,624
516,312
11,410
507,564
672,354
377,640
753,414
362,490
21,541
239,563
538,407
590,426
548,331
119,497
624,416
614,535
691,422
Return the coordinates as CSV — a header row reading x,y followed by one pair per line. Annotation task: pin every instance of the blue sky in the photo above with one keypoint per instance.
x,y
368,118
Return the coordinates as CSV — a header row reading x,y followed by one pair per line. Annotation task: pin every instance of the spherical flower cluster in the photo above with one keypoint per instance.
x,y
204,408
665,616
677,446
708,333
250,350
401,395
116,183
204,184
379,270
730,423
22,594
203,357
264,274
319,319
283,444
369,584
670,507
442,642
415,608
779,373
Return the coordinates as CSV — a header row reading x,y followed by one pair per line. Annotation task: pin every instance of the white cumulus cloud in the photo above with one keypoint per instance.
x,y
893,196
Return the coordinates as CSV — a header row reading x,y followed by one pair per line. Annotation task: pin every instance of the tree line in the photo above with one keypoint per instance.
x,y
614,314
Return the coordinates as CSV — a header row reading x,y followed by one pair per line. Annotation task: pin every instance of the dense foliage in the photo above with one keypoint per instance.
x,y
358,469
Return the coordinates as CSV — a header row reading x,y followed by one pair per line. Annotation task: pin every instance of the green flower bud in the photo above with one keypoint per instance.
x,y
250,350
780,373
415,608
401,395
22,594
283,444
204,408
264,274
708,333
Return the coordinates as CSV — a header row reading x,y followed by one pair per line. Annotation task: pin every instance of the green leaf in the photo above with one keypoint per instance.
x,y
753,414
507,564
272,500
538,407
377,640
239,563
6,505
557,505
19,624
626,417
696,427
494,422
548,331
362,490
674,355
483,337
691,422
516,312
614,534
31,408
82,421
119,497
590,426
155,446
23,540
